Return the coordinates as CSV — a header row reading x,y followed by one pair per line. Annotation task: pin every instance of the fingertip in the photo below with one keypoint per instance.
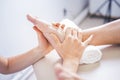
x,y
62,26
35,28
31,19
28,16
57,24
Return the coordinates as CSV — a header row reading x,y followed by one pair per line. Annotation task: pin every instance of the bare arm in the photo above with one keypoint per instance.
x,y
19,62
104,34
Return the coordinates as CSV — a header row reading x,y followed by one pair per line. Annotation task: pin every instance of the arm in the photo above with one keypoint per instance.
x,y
46,29
19,62
104,34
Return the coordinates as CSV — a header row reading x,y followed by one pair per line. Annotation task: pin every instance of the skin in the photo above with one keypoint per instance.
x,y
19,62
64,74
105,34
102,35
46,28
13,64
71,48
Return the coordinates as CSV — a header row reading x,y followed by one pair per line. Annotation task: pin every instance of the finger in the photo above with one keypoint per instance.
x,y
86,42
39,34
68,32
37,30
62,26
32,19
42,25
57,24
80,35
54,24
74,33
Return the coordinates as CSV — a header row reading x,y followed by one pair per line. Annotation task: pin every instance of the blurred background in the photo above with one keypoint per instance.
x,y
17,35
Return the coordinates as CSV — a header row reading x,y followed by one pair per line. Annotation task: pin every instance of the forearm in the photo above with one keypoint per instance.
x,y
105,34
22,61
71,65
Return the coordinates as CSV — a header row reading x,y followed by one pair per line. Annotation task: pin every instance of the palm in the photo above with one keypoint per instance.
x,y
43,43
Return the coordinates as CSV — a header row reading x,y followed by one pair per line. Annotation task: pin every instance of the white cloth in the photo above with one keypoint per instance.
x,y
91,55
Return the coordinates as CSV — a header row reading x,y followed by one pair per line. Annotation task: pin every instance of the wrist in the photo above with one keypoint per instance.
x,y
71,64
72,61
42,51
38,51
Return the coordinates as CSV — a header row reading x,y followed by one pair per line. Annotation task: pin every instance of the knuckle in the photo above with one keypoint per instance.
x,y
76,40
69,37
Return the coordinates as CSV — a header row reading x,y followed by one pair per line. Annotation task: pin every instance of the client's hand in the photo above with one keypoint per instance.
x,y
44,46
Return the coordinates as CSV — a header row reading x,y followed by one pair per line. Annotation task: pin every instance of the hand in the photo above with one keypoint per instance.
x,y
63,74
41,25
71,48
44,46
45,27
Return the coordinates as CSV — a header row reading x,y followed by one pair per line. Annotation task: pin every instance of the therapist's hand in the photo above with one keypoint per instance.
x,y
43,45
71,48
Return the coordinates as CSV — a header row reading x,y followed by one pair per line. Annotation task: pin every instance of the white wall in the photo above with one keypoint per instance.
x,y
16,34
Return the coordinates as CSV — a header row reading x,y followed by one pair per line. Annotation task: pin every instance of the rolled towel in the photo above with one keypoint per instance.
x,y
91,55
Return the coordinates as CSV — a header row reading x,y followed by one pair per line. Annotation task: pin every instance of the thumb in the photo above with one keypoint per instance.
x,y
86,42
39,33
32,19
54,40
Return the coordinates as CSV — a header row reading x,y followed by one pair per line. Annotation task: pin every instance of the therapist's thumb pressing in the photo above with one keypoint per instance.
x,y
55,39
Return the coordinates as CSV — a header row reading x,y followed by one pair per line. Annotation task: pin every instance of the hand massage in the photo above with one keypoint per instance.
x,y
73,45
